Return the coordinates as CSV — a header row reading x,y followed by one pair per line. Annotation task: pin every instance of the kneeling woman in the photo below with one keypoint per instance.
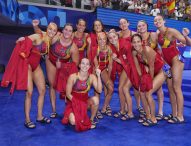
x,y
77,88
149,65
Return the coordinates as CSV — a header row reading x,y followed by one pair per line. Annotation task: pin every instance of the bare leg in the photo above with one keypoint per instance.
x,y
126,91
122,80
28,97
39,80
172,97
93,104
177,69
109,85
137,98
51,73
160,96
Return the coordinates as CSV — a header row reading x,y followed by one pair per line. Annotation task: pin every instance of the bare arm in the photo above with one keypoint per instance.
x,y
134,53
177,35
36,28
110,63
69,86
96,62
185,32
88,47
96,81
75,54
150,56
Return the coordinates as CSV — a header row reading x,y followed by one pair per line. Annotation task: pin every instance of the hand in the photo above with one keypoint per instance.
x,y
58,64
20,39
114,56
180,44
98,72
35,22
185,31
124,57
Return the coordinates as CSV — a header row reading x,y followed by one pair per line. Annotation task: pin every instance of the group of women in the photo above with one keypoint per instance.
x,y
75,61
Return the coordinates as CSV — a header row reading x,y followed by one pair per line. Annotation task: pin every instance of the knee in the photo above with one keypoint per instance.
x,y
110,86
176,88
94,101
72,121
149,96
121,88
111,89
29,94
42,92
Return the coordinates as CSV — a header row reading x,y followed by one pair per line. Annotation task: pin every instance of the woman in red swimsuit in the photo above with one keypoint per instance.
x,y
149,65
78,85
103,61
61,61
151,39
122,56
92,40
80,38
24,68
167,38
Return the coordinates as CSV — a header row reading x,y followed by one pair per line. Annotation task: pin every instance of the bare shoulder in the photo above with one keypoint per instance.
x,y
147,49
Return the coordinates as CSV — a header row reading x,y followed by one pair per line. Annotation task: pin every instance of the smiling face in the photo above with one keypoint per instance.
x,y
81,26
123,24
98,26
113,38
52,30
67,31
102,39
159,21
84,65
142,27
137,43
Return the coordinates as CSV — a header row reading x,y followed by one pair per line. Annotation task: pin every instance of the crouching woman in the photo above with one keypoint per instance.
x,y
77,88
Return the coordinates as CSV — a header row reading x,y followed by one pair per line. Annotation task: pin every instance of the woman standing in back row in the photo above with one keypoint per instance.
x,y
167,38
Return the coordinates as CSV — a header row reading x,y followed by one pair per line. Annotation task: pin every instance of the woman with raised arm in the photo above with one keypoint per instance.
x,y
77,88
167,38
150,66
80,38
24,68
61,61
103,61
122,56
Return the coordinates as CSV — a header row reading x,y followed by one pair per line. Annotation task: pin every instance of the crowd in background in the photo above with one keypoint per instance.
x,y
181,10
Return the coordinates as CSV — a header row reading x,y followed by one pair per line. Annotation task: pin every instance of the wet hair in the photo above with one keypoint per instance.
x,y
68,24
143,22
159,14
53,24
101,34
136,35
83,59
81,20
124,19
112,31
94,25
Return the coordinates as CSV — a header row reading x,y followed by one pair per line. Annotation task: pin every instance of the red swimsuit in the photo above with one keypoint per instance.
x,y
79,105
